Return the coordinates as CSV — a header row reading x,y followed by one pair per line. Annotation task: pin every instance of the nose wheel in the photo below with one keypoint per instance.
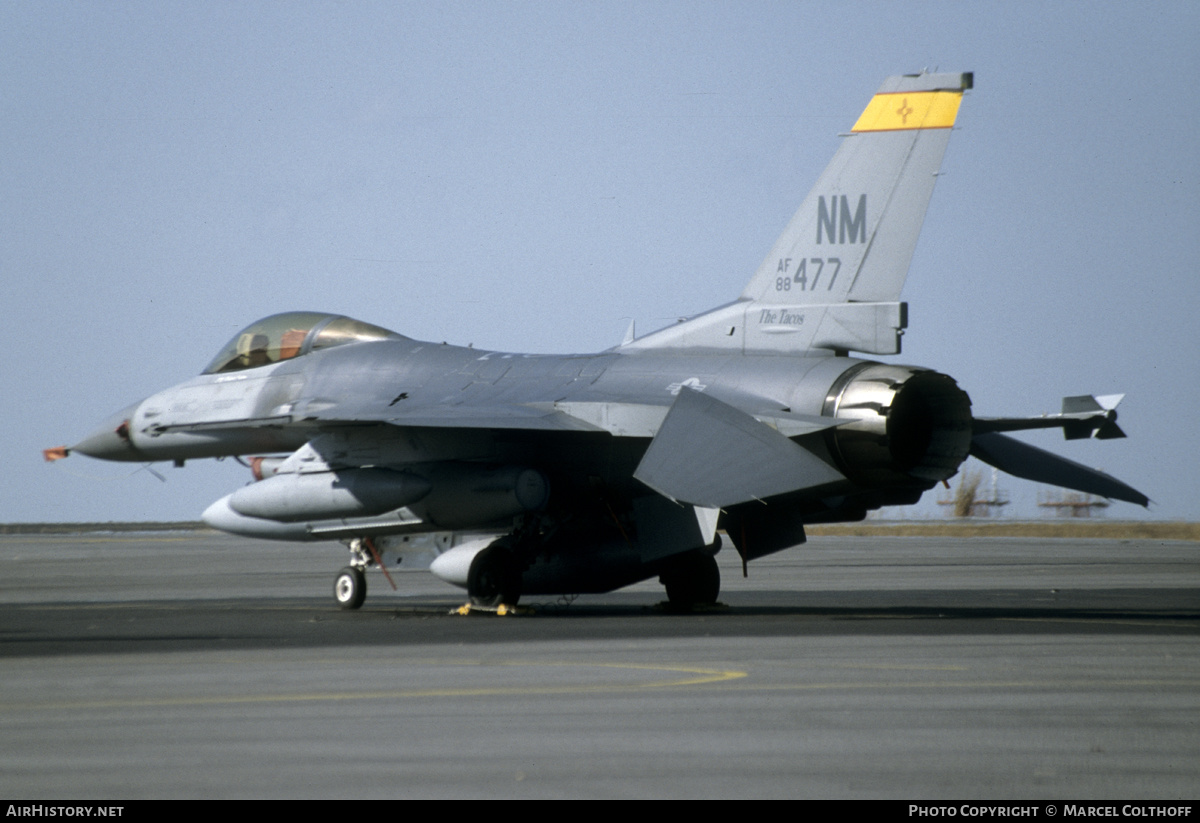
x,y
350,588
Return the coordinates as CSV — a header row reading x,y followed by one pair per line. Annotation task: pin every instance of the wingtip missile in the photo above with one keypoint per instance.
x,y
1082,416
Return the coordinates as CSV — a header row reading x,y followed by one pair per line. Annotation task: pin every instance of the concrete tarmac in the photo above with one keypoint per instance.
x,y
198,665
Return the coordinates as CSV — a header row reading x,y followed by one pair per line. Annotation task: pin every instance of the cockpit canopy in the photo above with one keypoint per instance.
x,y
291,334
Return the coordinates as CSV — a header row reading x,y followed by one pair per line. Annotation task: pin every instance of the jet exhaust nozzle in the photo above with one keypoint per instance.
x,y
914,425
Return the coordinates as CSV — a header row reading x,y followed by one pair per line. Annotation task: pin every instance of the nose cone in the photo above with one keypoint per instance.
x,y
110,441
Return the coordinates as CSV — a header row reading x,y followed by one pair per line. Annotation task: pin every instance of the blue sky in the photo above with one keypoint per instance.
x,y
530,176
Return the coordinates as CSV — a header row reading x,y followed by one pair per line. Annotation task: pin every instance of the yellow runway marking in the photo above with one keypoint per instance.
x,y
695,677
75,540
989,684
896,667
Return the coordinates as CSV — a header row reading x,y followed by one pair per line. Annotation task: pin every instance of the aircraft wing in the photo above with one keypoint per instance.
x,y
703,451
533,416
412,412
710,454
620,419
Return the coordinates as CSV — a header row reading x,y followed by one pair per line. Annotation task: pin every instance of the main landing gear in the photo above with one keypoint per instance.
x,y
494,578
692,579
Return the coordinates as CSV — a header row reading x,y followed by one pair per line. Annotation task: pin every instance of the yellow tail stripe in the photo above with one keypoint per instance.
x,y
910,110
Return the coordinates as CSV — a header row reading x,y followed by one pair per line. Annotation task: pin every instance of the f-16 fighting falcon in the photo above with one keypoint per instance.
x,y
537,474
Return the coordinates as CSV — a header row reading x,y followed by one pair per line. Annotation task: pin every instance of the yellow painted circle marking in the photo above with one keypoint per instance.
x,y
681,676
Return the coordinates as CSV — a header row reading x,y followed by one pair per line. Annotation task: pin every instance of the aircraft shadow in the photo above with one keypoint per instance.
x,y
194,625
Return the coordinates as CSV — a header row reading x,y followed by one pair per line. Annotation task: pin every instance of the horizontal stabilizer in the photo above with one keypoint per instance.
x,y
1031,463
709,454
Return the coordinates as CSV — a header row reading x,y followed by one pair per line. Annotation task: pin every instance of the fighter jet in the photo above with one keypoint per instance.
x,y
533,474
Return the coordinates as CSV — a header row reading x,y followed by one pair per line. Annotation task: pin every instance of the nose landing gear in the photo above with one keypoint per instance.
x,y
350,588
350,585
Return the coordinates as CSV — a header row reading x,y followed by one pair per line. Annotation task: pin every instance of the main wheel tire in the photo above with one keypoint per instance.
x,y
694,579
494,578
350,588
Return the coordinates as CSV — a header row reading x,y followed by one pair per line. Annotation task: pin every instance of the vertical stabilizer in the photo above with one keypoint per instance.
x,y
833,278
854,235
